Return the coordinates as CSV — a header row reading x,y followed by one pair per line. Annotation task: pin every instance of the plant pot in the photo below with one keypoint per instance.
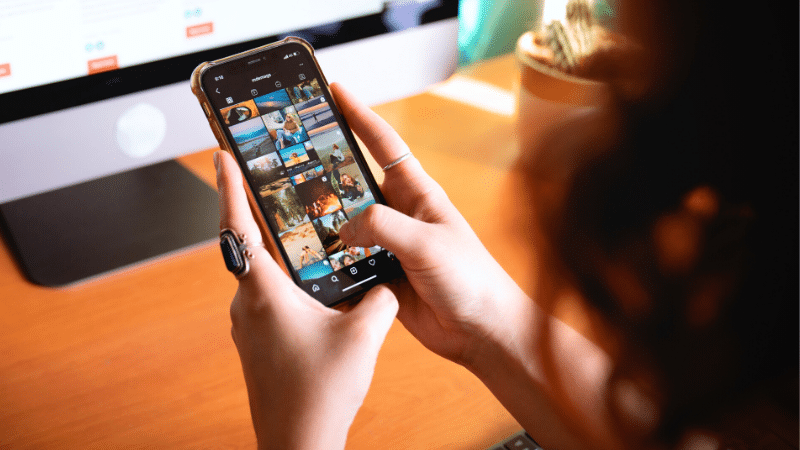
x,y
547,97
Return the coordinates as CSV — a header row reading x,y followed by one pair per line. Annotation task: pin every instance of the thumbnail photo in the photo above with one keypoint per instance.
x,y
272,101
351,255
346,257
285,127
265,190
318,197
297,179
315,270
302,246
239,112
354,192
310,174
265,164
332,149
328,231
304,91
252,138
268,173
284,210
317,118
294,155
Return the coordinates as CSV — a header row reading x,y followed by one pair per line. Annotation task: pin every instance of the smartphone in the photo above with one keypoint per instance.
x,y
271,108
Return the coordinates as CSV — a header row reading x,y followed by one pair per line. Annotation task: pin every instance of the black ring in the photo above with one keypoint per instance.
x,y
236,252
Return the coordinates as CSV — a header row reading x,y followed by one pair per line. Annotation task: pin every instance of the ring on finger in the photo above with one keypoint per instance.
x,y
397,161
236,251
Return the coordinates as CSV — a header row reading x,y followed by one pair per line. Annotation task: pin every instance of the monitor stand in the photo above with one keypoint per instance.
x,y
82,231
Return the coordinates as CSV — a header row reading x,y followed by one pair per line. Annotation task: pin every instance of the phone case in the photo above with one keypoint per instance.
x,y
269,236
197,90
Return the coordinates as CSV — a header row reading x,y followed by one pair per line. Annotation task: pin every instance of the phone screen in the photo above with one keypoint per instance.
x,y
303,167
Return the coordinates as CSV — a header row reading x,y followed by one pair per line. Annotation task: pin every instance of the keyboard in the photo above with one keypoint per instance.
x,y
519,441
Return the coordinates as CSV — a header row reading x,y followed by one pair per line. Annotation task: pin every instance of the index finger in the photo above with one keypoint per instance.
x,y
386,146
380,138
235,214
234,210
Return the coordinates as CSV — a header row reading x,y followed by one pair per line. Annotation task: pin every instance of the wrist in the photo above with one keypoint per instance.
x,y
301,436
507,342
299,426
559,400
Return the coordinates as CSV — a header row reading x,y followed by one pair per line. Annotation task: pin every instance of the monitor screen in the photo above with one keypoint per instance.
x,y
91,36
95,87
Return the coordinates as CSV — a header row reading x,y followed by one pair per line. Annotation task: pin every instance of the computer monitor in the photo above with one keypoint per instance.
x,y
96,104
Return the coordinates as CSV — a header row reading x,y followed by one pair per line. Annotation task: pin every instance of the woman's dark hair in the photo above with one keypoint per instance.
x,y
682,231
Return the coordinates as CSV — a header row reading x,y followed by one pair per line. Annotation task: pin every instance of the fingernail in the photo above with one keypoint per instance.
x,y
216,161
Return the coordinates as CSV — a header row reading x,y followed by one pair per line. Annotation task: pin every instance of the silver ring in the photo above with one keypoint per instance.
x,y
236,251
396,161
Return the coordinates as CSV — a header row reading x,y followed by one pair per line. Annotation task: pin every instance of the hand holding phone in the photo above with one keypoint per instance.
x,y
272,110
326,356
457,297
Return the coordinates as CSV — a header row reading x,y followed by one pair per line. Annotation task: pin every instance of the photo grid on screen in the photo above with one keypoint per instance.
x,y
304,173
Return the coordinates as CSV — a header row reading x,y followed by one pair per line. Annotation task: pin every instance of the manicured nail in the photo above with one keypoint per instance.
x,y
216,160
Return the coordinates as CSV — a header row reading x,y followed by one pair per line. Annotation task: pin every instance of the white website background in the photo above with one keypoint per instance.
x,y
44,41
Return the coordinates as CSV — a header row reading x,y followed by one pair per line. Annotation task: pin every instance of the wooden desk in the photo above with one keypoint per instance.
x,y
144,359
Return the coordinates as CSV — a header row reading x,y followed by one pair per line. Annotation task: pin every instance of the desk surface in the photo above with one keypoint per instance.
x,y
144,358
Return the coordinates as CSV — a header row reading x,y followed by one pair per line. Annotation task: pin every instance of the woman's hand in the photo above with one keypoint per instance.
x,y
307,367
457,297
462,305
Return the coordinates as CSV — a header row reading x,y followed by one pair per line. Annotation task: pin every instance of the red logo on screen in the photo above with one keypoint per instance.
x,y
199,30
103,64
5,70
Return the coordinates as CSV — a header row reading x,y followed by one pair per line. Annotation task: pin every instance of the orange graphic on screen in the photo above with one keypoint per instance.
x,y
103,64
200,29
